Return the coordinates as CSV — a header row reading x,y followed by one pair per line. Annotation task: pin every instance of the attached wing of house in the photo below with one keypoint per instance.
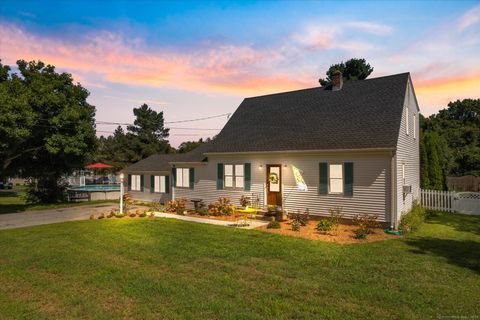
x,y
356,147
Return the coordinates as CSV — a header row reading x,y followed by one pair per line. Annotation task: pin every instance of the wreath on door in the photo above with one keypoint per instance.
x,y
273,178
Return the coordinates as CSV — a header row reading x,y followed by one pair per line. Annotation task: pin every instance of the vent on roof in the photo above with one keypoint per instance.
x,y
337,81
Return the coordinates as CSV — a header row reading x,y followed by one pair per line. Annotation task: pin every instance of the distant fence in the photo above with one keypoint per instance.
x,y
451,201
76,181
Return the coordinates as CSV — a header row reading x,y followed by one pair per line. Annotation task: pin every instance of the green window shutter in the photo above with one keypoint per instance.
x,y
174,176
167,184
323,186
348,179
152,183
248,176
192,177
129,185
141,182
219,176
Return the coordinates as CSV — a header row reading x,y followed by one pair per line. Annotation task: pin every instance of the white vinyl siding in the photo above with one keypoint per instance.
x,y
234,176
335,179
407,120
414,128
407,155
159,184
136,182
183,177
371,178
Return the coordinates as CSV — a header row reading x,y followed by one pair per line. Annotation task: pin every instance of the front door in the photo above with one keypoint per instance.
x,y
274,184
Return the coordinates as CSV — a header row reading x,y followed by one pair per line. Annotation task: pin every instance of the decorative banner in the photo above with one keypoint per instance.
x,y
301,185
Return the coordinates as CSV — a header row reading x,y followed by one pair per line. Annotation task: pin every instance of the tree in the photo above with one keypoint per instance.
x,y
187,146
47,128
458,128
353,69
147,136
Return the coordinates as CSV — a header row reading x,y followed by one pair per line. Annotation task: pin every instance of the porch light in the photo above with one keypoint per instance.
x,y
260,167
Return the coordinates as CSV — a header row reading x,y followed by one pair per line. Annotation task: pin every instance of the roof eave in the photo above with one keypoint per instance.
x,y
303,151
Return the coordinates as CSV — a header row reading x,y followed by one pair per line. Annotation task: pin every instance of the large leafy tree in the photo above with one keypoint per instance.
x,y
353,69
454,135
47,127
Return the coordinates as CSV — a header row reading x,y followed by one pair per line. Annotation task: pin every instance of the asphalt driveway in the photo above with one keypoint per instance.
x,y
37,217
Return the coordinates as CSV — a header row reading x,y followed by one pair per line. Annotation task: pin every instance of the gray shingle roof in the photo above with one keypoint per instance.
x,y
160,162
156,162
364,114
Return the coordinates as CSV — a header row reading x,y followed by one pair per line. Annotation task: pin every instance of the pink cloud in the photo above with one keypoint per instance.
x,y
224,68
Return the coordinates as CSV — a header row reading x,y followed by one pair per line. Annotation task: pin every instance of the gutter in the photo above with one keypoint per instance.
x,y
300,151
187,163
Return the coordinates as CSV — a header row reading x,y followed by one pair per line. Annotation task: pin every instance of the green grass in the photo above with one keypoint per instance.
x,y
14,201
170,269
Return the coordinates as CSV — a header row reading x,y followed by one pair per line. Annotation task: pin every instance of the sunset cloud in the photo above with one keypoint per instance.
x,y
470,18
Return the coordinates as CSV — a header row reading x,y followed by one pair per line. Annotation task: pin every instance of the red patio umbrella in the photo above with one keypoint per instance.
x,y
98,165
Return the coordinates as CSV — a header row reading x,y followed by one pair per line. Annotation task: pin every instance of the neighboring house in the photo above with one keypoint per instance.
x,y
356,145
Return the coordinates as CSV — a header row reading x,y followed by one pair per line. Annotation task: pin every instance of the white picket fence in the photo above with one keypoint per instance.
x,y
451,201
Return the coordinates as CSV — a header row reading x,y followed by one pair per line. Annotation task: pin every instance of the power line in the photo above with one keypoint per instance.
x,y
166,122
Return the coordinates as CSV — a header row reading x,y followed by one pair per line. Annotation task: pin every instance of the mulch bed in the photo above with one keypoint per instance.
x,y
343,235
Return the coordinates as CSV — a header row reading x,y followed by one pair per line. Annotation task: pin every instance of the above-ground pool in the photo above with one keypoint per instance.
x,y
98,187
94,192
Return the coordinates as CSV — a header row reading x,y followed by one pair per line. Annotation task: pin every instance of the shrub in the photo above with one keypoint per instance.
x,y
112,213
127,202
102,216
157,206
221,207
360,234
336,216
202,211
366,222
177,205
119,215
301,218
296,225
143,214
413,220
273,225
92,217
133,214
324,225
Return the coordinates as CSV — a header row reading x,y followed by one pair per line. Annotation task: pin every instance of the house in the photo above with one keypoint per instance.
x,y
355,144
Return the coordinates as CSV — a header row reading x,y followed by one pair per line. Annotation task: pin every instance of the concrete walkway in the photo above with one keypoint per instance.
x,y
252,224
37,217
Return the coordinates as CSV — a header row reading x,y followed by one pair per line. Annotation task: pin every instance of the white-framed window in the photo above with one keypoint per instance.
x,y
159,184
407,129
136,182
183,177
335,179
414,129
234,176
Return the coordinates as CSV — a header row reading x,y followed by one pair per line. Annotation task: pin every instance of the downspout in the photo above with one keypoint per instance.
x,y
393,222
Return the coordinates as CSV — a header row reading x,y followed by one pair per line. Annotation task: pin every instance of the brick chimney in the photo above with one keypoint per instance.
x,y
337,81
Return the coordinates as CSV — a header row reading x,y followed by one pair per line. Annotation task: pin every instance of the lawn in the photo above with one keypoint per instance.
x,y
14,201
171,269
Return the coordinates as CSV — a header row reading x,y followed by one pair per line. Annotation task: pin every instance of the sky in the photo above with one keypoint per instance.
x,y
201,59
